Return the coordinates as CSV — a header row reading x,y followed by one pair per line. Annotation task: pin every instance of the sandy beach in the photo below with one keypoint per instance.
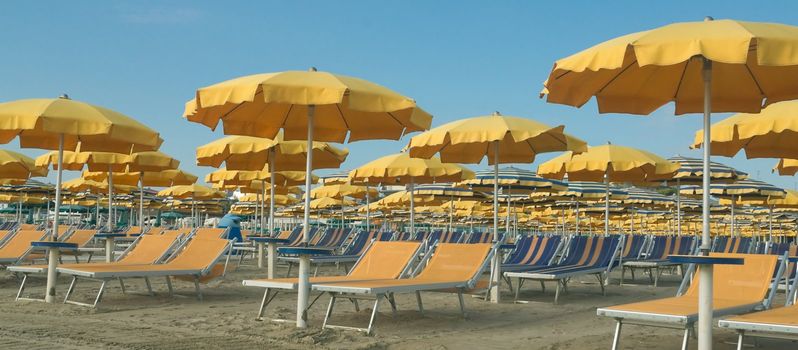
x,y
226,319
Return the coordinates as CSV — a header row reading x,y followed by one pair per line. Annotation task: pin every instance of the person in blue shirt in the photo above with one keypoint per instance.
x,y
233,222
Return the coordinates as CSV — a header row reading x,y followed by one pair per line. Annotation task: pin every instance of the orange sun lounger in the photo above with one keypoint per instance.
x,y
382,260
144,250
18,246
196,259
451,266
737,289
779,323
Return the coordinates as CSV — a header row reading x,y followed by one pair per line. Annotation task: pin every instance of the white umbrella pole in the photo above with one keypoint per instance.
x,y
509,208
678,207
412,210
770,223
53,254
496,261
304,260
141,202
577,216
705,289
732,216
271,196
606,205
451,207
368,210
110,200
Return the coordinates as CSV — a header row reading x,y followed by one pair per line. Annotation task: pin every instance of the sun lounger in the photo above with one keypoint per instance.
x,y
780,323
596,258
450,267
144,250
726,244
381,260
5,234
633,247
18,246
209,232
737,289
657,256
196,259
351,253
533,251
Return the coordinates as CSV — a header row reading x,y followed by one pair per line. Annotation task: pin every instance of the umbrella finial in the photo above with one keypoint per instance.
x,y
708,18
64,97
312,69
496,113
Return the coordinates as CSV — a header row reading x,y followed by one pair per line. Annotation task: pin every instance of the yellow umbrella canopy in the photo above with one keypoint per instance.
x,y
469,140
17,166
619,163
164,178
402,199
787,166
402,169
772,133
790,200
151,161
254,153
38,122
279,199
255,187
82,184
244,177
261,104
94,161
639,72
343,190
330,203
192,191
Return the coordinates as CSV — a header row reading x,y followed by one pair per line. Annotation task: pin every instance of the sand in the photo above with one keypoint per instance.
x,y
226,319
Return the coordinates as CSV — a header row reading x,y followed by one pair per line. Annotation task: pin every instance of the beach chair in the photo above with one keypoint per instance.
x,y
633,247
737,289
440,236
657,256
726,244
402,236
197,259
780,323
596,257
451,267
82,238
209,232
351,253
152,230
133,231
381,260
18,246
147,249
5,235
533,251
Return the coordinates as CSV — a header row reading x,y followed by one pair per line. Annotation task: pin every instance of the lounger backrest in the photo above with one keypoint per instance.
x,y
748,282
81,237
385,260
20,243
209,232
148,249
172,233
284,234
455,262
634,243
28,227
579,249
661,247
200,253
132,230
322,237
4,234
155,230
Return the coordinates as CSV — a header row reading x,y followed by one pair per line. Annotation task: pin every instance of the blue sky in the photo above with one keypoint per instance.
x,y
457,59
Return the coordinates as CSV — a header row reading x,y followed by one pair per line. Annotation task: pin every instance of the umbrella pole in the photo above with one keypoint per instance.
x,y
732,217
509,207
577,216
368,210
412,210
770,223
141,202
606,205
705,289
110,200
304,261
271,197
496,261
678,207
53,254
451,206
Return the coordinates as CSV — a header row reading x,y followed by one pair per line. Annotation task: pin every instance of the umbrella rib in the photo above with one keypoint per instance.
x,y
341,113
238,105
681,79
753,77
282,124
600,90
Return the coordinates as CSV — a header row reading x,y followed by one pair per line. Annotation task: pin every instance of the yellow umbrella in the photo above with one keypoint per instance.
x,y
314,106
609,163
503,139
244,177
772,133
164,178
81,185
786,166
402,169
329,202
17,166
148,162
710,66
280,199
193,192
255,188
61,123
343,190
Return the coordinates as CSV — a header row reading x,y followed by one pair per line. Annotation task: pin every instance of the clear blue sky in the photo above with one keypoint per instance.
x,y
457,59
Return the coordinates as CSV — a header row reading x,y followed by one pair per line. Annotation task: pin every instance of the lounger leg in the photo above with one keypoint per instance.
x,y
373,315
740,336
357,305
91,254
651,276
122,285
169,285
77,261
623,273
288,273
149,286
99,294
420,304
22,286
686,338
632,271
329,310
314,300
462,303
600,277
263,304
542,287
197,288
616,340
389,296
316,271
71,288
557,293
517,290
656,278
